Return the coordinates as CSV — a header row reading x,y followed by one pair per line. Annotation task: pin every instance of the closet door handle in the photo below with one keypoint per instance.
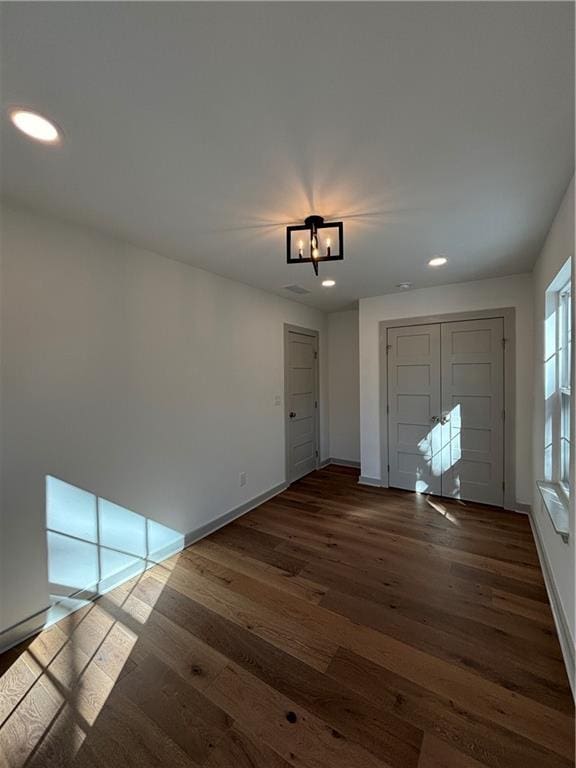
x,y
434,419
445,420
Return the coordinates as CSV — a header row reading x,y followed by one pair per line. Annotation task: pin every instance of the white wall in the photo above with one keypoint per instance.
x,y
145,381
344,385
559,247
514,291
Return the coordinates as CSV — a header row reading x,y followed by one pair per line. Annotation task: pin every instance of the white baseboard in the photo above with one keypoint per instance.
x,y
373,481
562,626
73,602
344,462
521,508
44,618
228,517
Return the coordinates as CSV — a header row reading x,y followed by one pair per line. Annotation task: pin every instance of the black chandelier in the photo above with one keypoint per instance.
x,y
315,241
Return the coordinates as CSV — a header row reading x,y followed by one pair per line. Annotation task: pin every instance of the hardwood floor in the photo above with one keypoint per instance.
x,y
335,626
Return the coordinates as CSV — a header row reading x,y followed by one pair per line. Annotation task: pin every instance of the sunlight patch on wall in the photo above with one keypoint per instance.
x,y
94,544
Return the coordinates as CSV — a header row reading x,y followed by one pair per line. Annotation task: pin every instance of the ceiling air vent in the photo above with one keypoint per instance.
x,y
296,289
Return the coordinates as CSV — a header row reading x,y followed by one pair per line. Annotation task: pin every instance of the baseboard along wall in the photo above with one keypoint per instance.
x,y
67,605
560,620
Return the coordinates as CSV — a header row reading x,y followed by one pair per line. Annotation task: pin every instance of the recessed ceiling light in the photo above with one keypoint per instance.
x,y
328,283
437,261
35,126
404,286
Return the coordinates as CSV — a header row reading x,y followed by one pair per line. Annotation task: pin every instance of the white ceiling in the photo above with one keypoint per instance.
x,y
201,130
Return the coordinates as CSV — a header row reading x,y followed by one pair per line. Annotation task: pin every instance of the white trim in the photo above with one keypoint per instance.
x,y
373,481
521,508
558,402
557,508
344,462
43,619
562,626
233,514
69,604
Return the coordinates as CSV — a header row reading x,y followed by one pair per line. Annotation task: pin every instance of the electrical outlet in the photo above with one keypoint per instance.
x,y
242,478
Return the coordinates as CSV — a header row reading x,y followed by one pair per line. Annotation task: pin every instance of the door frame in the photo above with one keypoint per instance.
x,y
288,327
508,315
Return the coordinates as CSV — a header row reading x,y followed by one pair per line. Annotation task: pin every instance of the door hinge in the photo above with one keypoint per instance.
x,y
316,454
503,415
388,348
315,355
387,409
315,403
388,467
503,343
503,485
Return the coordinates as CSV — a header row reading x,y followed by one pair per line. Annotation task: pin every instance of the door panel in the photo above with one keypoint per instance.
x,y
454,371
472,409
415,447
301,376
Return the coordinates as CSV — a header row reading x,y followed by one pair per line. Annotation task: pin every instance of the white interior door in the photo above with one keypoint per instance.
x,y
446,409
473,410
301,404
414,432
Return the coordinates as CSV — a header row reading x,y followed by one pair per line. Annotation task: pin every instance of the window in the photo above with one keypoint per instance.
x,y
558,377
565,357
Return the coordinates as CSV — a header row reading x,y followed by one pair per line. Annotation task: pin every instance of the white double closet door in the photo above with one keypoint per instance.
x,y
446,409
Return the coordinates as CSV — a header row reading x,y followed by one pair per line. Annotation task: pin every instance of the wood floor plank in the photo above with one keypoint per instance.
x,y
335,625
440,554
414,595
281,629
383,734
499,547
542,680
297,735
169,642
182,712
472,692
260,546
238,750
26,727
285,581
125,737
520,714
513,585
484,739
517,605
438,754
497,656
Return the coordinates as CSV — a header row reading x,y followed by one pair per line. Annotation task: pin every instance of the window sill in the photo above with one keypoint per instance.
x,y
556,506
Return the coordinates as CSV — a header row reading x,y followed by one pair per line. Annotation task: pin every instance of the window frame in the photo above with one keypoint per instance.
x,y
557,382
564,346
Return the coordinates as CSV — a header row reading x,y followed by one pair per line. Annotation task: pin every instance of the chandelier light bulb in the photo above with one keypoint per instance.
x,y
314,248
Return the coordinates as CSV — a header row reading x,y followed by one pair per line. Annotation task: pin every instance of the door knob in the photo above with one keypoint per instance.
x,y
292,415
445,419
434,419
